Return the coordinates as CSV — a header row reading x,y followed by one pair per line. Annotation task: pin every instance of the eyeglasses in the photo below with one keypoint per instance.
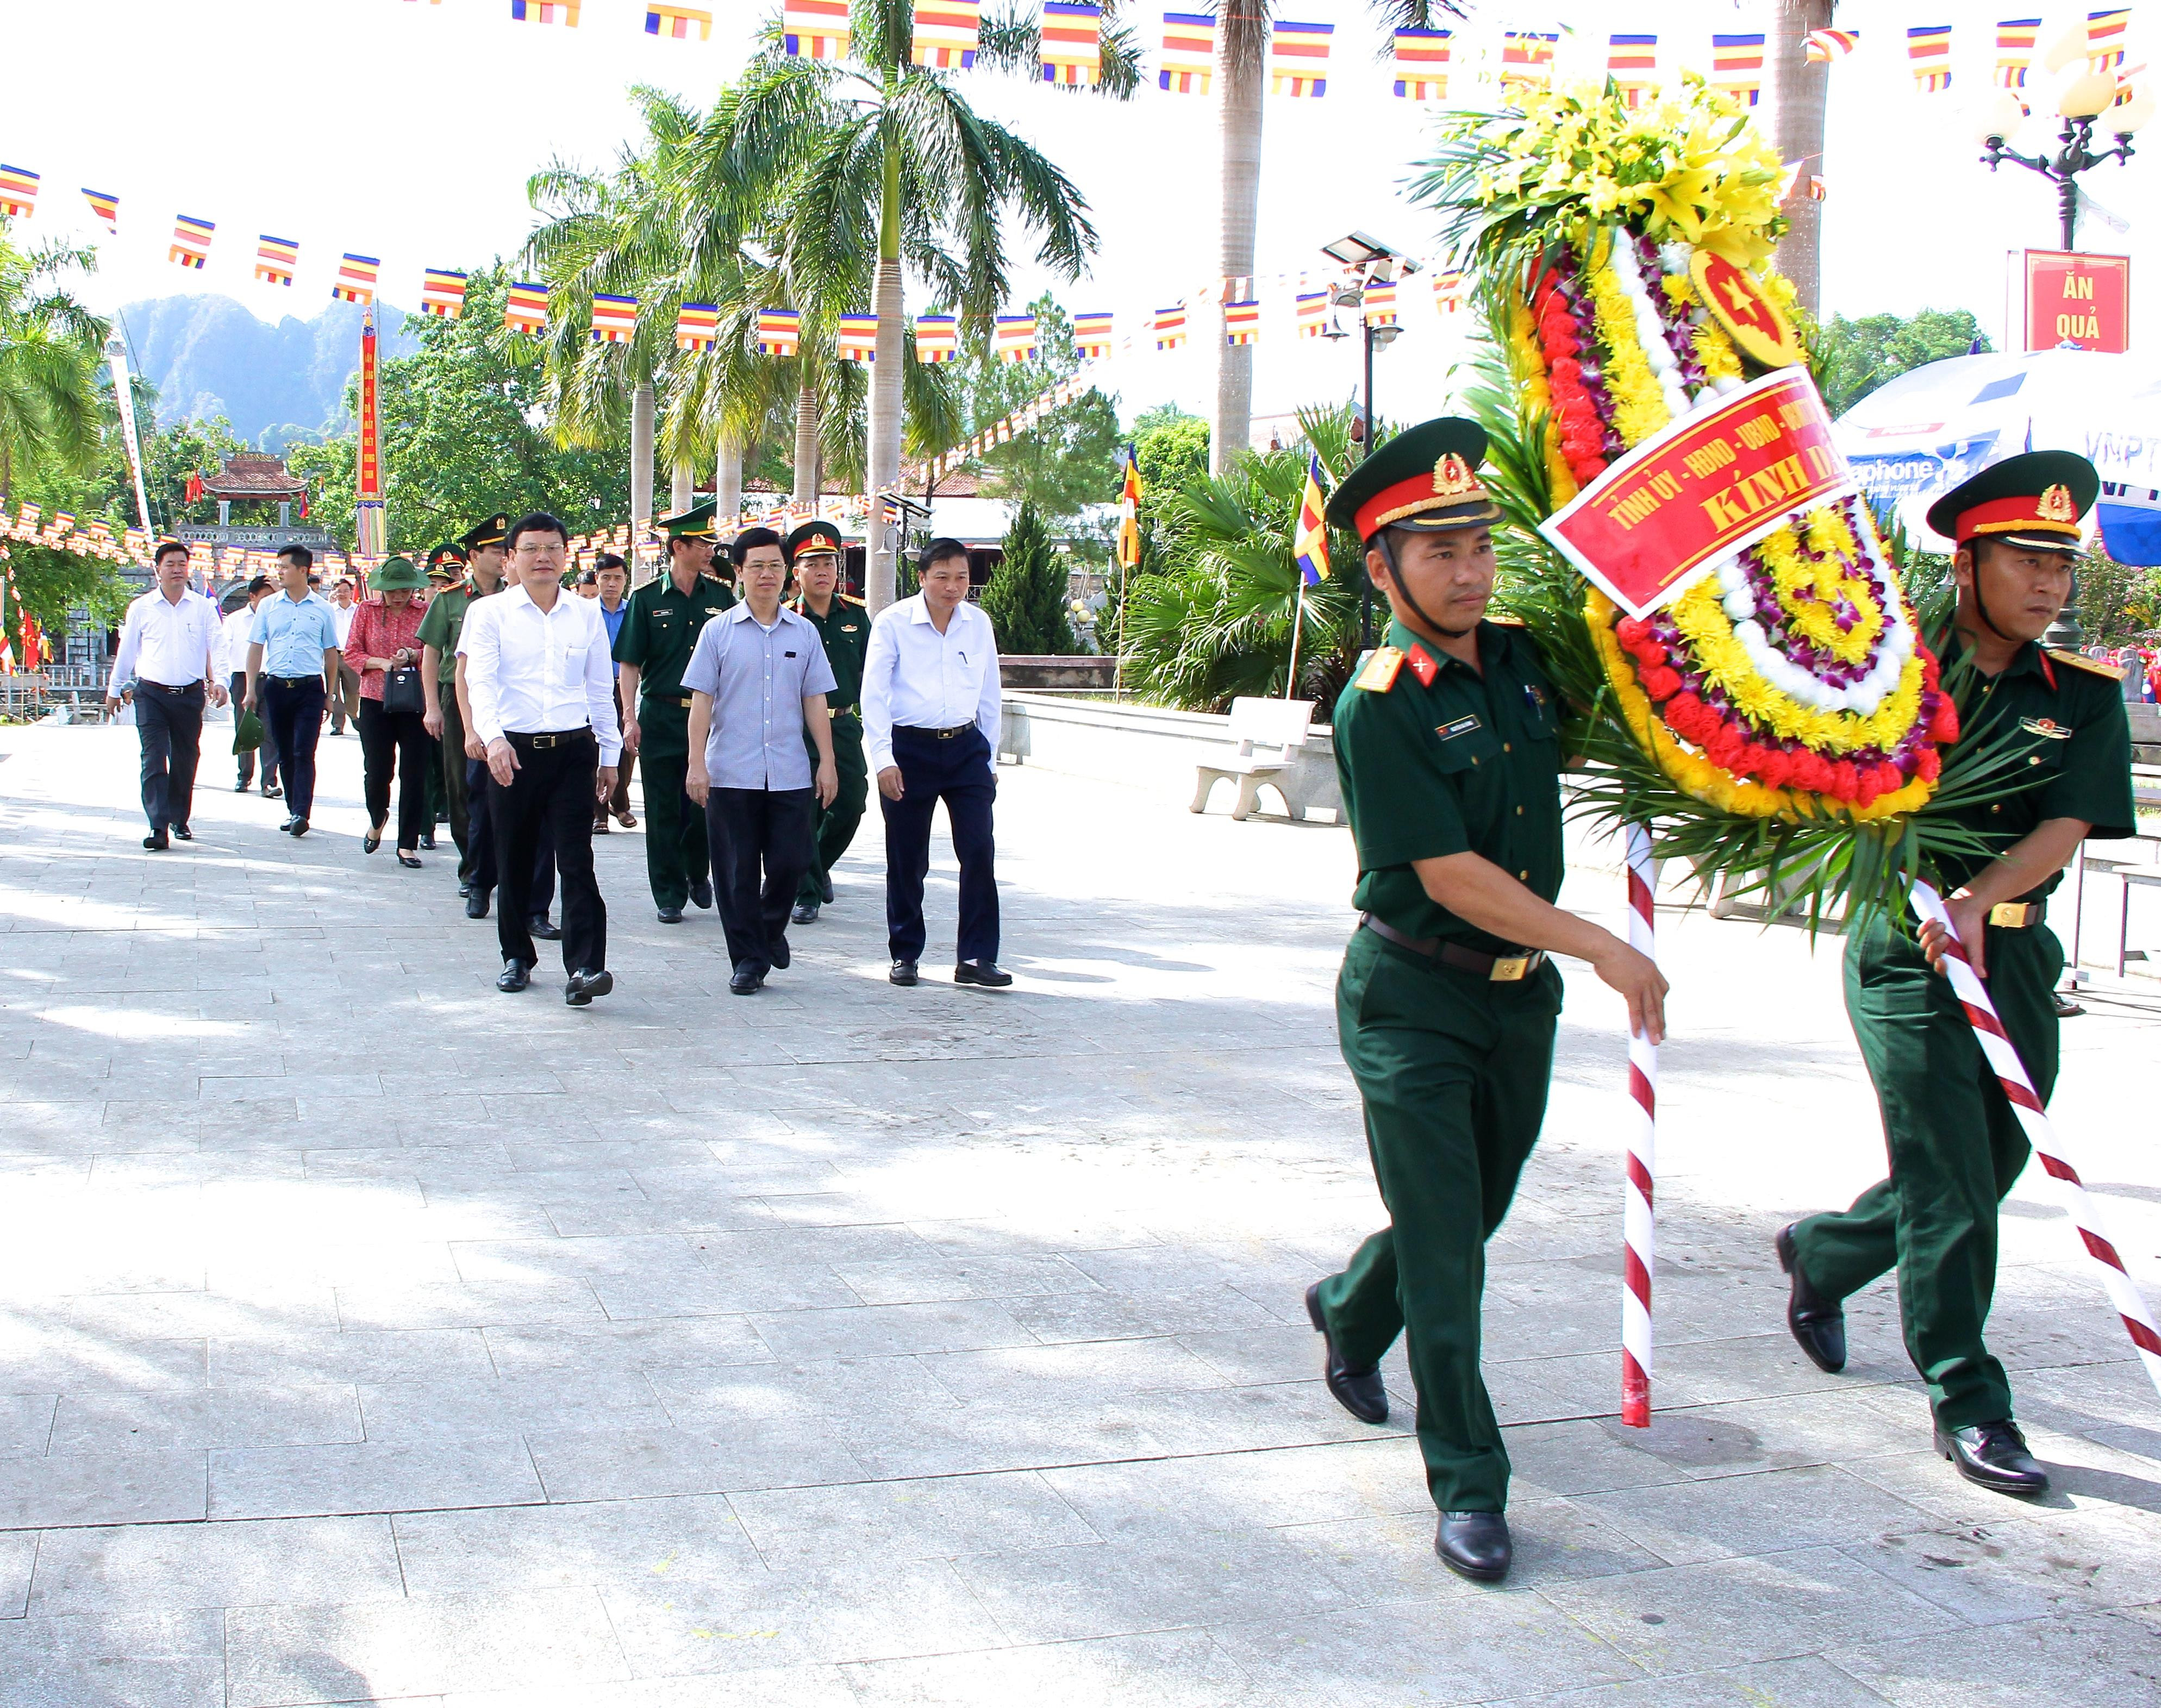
x,y
534,549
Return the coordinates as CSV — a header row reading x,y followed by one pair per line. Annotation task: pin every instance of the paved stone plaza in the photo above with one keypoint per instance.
x,y
366,1335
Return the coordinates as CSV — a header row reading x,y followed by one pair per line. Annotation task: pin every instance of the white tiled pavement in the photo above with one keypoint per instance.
x,y
366,1335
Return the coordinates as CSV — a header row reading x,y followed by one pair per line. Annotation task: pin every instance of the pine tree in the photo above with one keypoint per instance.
x,y
1025,598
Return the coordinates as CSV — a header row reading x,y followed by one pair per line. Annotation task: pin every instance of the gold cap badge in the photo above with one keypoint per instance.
x,y
2056,505
1452,478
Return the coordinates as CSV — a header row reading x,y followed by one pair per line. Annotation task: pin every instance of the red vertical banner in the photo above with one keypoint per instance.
x,y
2078,300
368,481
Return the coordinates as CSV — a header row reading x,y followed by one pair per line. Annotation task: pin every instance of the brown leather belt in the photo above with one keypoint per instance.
x,y
2018,916
1501,969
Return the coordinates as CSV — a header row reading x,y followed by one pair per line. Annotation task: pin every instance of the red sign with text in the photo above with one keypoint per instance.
x,y
368,481
2083,300
1716,481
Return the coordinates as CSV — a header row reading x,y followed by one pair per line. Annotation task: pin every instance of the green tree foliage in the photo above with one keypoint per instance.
x,y
1069,461
1852,358
51,419
2117,603
1026,598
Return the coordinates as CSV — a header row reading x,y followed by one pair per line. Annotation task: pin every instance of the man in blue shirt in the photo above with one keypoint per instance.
x,y
612,579
292,659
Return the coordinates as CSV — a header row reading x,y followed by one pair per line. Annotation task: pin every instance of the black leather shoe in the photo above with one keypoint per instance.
x,y
297,829
1359,1393
1818,1324
184,833
539,927
1475,1545
412,862
671,916
701,893
584,987
825,891
515,975
372,840
777,951
427,840
157,841
903,973
748,976
465,888
1995,1456
987,973
802,913
476,904
241,787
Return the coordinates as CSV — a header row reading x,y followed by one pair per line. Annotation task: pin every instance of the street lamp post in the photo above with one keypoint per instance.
x,y
1373,263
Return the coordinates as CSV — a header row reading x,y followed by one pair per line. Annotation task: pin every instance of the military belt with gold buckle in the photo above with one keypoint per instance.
x,y
1500,969
2016,916
681,700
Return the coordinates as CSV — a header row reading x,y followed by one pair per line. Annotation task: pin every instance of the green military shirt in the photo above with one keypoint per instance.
x,y
846,630
2064,715
1446,760
661,627
444,620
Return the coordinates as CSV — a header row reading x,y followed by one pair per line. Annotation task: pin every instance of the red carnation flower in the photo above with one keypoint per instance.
x,y
1844,781
1928,764
1662,682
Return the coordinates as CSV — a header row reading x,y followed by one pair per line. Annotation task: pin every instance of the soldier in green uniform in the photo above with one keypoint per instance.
x,y
479,552
653,646
814,553
1448,749
1955,1142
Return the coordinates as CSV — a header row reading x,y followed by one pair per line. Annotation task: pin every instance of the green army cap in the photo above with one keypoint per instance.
x,y
448,560
492,532
396,572
1426,477
813,536
695,523
2034,500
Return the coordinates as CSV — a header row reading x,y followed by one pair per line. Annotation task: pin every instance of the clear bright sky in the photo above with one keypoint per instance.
x,y
406,130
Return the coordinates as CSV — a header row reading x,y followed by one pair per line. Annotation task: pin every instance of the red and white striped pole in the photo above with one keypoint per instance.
x,y
2041,1134
1639,1228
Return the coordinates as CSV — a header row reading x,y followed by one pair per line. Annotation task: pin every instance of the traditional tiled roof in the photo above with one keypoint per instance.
x,y
254,474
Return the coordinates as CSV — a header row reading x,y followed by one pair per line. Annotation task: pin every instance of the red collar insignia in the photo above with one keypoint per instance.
x,y
1422,665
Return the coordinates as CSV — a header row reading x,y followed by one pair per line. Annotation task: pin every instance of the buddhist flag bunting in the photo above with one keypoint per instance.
x,y
1736,66
1631,61
1312,313
190,240
946,33
1169,326
779,331
1072,48
276,260
1016,338
1242,321
105,207
1929,53
562,12
2015,50
937,338
1129,513
858,337
679,23
2105,33
1188,53
1379,305
815,29
1448,290
697,327
1311,542
1826,45
615,318
1422,64
1091,336
1298,59
18,191
442,294
1527,59
356,279
526,308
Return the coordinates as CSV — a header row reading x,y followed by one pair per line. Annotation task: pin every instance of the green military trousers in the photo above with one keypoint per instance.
x,y
453,773
676,855
837,823
1453,1069
1955,1147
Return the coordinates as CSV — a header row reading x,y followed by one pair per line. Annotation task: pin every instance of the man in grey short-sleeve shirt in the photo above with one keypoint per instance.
x,y
757,681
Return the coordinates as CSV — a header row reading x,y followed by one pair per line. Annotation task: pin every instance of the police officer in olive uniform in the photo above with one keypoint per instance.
x,y
843,624
1955,1142
653,646
1448,749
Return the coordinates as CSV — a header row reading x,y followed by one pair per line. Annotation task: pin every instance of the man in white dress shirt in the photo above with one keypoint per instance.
x,y
930,721
541,686
166,668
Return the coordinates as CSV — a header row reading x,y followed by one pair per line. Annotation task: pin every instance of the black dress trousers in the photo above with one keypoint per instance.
x,y
957,770
763,842
552,788
169,724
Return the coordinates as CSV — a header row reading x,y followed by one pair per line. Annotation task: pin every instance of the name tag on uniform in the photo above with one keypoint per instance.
x,y
1462,727
2045,726
712,611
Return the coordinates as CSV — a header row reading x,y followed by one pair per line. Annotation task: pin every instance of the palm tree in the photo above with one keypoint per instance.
x,y
51,413
1799,89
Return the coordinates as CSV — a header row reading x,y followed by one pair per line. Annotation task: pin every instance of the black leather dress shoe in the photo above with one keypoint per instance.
x,y
1475,1545
297,829
671,916
584,987
465,887
1995,1456
777,951
476,904
825,891
1359,1393
802,913
1818,1324
701,893
539,927
903,973
184,833
515,975
748,976
157,841
987,973
427,840
241,787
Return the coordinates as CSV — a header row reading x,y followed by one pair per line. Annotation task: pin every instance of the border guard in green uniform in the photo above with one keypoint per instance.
x,y
1955,1142
653,647
479,552
1448,749
843,624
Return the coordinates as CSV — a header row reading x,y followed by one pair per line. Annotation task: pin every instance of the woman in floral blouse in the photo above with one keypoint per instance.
x,y
386,636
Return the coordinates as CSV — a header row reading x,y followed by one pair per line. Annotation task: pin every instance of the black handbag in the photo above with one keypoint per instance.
x,y
401,691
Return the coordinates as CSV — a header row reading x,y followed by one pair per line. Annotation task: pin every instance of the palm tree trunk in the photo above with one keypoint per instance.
x,y
641,454
806,444
1797,89
727,484
681,485
1241,56
882,462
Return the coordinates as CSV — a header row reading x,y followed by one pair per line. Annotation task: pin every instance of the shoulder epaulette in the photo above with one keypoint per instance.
x,y
1379,675
1506,619
851,599
2080,661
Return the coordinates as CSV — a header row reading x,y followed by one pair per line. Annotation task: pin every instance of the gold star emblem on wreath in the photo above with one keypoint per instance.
x,y
1452,477
2056,505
